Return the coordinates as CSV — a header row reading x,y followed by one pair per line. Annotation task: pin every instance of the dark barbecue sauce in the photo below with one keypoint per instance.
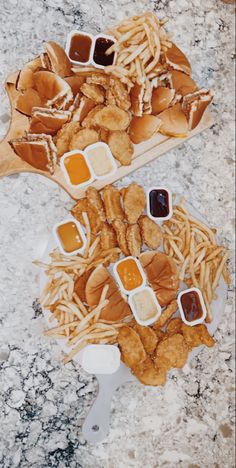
x,y
101,46
159,203
191,306
80,47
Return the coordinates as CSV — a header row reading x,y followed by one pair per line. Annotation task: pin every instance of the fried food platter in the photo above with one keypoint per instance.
x,y
145,152
96,425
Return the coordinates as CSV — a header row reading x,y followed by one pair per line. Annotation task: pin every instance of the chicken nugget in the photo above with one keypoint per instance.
x,y
111,197
88,121
81,206
121,147
166,315
120,93
174,325
104,135
110,98
83,138
99,79
134,240
120,229
94,92
112,118
131,347
150,232
64,136
148,374
108,237
196,336
134,202
159,334
147,336
173,349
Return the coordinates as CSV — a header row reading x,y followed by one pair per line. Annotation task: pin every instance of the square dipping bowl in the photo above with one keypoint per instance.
x,y
69,236
191,299
101,359
159,203
129,274
103,42
99,155
148,300
79,47
76,168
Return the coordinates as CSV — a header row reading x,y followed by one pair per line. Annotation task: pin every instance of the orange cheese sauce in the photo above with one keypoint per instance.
x,y
77,169
69,236
129,274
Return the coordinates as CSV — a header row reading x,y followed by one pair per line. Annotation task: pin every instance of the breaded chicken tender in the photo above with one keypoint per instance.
x,y
134,240
148,337
120,229
173,350
131,347
150,232
64,136
108,237
197,335
111,197
134,202
148,374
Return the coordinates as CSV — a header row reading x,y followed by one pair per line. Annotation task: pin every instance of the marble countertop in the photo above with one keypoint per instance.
x,y
189,423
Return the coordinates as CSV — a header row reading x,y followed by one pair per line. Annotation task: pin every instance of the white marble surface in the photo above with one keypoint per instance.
x,y
189,423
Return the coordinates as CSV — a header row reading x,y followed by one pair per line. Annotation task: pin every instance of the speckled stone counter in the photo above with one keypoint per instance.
x,y
189,423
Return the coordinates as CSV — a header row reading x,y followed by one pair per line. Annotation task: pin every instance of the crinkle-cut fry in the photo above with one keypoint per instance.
x,y
75,351
80,304
166,315
219,271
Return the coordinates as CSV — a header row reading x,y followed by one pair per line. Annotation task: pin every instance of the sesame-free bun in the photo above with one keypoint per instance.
x,y
161,99
177,60
52,87
117,307
183,84
143,128
57,58
173,122
195,104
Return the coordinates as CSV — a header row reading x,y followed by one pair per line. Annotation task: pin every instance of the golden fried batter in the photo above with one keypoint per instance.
x,y
197,335
95,202
131,347
99,79
120,229
150,232
134,240
108,237
64,136
121,147
111,197
110,98
173,350
147,336
134,202
81,206
104,135
174,325
148,374
83,138
88,122
166,315
120,93
94,92
112,118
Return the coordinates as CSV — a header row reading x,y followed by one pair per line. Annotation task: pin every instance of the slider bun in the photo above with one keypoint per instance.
x,y
25,102
50,85
136,97
25,77
117,308
48,121
85,106
194,106
75,82
80,284
35,153
143,128
161,99
162,274
59,61
182,83
176,59
174,122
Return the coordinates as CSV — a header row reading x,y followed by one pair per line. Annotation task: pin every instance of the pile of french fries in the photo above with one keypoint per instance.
x,y
77,323
194,248
140,42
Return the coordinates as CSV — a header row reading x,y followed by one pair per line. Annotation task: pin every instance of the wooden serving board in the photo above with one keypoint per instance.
x,y
145,152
